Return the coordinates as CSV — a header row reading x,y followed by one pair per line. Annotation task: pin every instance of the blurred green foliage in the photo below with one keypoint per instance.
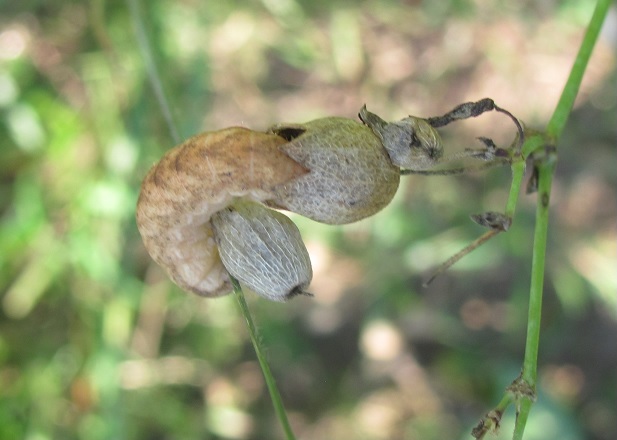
x,y
96,343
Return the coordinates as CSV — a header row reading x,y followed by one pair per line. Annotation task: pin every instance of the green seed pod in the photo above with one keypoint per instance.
x,y
263,249
350,173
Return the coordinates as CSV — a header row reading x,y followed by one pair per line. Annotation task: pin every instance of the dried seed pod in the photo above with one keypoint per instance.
x,y
351,175
333,170
189,184
263,249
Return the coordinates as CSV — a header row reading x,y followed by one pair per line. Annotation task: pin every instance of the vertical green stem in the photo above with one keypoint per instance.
x,y
530,363
263,363
546,171
545,163
546,167
151,69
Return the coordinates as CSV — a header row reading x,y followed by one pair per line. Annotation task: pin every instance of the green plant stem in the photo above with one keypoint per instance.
x,y
560,116
545,163
546,169
263,363
533,141
153,74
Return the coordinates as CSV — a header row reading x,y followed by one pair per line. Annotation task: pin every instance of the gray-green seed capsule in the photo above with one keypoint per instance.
x,y
263,249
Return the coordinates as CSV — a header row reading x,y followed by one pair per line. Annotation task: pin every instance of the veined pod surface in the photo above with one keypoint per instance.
x,y
263,249
351,175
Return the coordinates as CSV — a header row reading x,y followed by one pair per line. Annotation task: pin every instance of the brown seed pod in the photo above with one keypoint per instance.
x,y
333,170
194,180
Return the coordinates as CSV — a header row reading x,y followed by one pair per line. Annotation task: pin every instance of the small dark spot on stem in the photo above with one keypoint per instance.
x,y
532,184
545,200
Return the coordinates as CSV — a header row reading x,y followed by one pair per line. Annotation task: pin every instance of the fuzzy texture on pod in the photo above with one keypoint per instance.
x,y
351,175
263,250
333,170
194,180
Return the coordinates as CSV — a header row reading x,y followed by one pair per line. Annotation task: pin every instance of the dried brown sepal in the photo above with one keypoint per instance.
x,y
490,423
493,220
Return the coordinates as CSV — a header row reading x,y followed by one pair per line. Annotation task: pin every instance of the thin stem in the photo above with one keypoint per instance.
x,y
456,171
460,254
490,423
532,143
151,69
537,272
155,81
529,374
521,418
570,90
545,167
263,363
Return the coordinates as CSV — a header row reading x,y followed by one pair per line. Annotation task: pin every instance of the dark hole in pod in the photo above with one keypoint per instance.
x,y
288,133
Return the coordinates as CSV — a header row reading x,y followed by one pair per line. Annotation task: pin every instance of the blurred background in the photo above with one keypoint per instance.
x,y
96,343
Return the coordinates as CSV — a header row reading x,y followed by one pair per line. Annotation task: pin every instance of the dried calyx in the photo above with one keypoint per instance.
x,y
411,143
